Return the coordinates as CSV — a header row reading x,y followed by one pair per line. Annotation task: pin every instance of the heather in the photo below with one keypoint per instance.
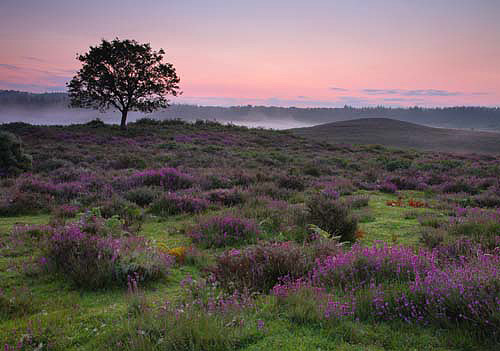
x,y
222,231
176,235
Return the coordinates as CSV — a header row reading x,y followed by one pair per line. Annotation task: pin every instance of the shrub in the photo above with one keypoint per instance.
x,y
92,262
127,211
169,178
66,211
292,182
222,231
361,266
13,159
332,216
225,197
173,204
464,295
357,201
142,196
388,187
259,268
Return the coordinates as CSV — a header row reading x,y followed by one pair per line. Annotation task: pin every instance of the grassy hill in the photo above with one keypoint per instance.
x,y
393,133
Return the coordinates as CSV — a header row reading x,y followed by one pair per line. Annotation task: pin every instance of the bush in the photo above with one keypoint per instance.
x,y
173,204
169,178
142,196
127,211
92,262
222,231
292,182
13,159
259,268
231,197
361,266
331,216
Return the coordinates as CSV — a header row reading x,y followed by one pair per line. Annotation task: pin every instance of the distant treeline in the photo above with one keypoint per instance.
x,y
451,117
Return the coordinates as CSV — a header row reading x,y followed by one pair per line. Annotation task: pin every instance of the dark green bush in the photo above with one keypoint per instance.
x,y
332,216
13,159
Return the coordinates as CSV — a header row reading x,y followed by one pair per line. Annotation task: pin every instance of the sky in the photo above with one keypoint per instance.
x,y
323,53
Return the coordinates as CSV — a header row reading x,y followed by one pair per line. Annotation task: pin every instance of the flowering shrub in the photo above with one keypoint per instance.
x,y
227,197
172,204
66,211
259,267
467,294
222,231
360,266
92,262
169,178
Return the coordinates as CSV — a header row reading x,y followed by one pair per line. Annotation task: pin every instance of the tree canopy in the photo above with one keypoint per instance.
x,y
125,75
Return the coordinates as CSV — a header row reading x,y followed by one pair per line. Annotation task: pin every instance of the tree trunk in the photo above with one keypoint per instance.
x,y
123,125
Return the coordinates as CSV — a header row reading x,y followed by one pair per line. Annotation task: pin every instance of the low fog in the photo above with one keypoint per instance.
x,y
67,116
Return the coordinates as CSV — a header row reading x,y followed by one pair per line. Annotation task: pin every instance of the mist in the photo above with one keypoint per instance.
x,y
68,116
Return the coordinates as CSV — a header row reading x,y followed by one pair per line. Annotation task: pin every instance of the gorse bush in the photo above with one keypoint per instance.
x,y
13,159
332,216
173,204
222,231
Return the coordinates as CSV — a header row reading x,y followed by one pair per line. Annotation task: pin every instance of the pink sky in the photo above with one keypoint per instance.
x,y
288,53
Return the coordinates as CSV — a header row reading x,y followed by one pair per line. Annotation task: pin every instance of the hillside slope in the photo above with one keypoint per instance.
x,y
389,132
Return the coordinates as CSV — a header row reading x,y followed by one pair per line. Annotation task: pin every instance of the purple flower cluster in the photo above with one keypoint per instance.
x,y
360,266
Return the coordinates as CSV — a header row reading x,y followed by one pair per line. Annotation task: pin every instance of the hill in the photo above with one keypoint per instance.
x,y
389,132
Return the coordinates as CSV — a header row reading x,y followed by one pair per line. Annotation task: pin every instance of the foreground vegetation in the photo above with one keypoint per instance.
x,y
175,236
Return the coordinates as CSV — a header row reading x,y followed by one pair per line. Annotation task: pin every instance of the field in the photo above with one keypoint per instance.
x,y
200,236
393,133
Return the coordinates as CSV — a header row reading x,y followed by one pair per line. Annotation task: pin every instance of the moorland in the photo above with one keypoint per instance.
x,y
200,236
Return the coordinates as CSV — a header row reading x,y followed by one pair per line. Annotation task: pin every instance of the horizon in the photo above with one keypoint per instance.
x,y
285,54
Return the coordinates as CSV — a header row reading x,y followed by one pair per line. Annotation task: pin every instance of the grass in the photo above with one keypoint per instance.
x,y
85,317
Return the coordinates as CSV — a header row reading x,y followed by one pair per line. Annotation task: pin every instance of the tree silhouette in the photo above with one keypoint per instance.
x,y
125,75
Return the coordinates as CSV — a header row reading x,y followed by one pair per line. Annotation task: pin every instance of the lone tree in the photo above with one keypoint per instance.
x,y
125,75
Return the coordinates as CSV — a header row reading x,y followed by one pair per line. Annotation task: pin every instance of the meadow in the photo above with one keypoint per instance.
x,y
201,236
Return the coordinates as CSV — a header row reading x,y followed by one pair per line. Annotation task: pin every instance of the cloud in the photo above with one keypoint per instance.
x,y
38,88
431,92
381,91
338,89
31,58
416,92
9,67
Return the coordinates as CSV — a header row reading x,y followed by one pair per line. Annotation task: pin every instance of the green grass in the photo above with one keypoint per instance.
x,y
81,320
